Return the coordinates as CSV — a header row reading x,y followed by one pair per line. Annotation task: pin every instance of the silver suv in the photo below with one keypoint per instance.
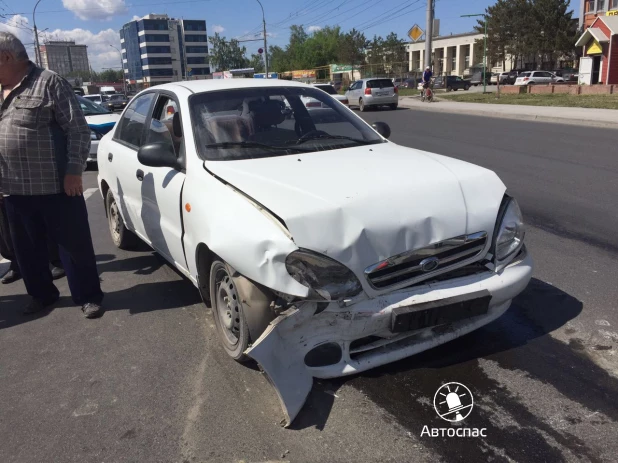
x,y
373,92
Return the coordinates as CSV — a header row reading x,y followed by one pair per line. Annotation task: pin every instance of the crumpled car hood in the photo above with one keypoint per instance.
x,y
364,204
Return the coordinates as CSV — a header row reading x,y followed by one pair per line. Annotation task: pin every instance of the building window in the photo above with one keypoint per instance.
x,y
197,50
196,60
157,60
195,38
154,38
600,5
613,4
156,50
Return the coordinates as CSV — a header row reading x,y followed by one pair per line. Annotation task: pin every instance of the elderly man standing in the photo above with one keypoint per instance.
x,y
44,143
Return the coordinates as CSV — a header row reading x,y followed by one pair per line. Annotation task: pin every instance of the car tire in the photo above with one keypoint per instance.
x,y
228,311
531,83
361,105
476,85
466,88
393,106
122,237
449,89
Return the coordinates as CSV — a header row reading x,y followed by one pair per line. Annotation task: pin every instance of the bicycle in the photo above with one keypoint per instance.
x,y
427,94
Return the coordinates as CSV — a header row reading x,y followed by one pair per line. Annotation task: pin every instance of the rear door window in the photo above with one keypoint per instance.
x,y
380,83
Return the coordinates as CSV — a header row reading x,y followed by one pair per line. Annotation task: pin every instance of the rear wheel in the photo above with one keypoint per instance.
x,y
393,106
122,237
449,89
228,312
466,88
361,105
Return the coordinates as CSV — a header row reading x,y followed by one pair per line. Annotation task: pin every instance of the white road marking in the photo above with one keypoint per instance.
x,y
89,192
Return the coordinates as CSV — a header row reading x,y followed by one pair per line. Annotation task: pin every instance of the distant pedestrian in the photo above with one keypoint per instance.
x,y
44,144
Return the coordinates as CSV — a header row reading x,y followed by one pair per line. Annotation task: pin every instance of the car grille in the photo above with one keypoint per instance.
x,y
420,264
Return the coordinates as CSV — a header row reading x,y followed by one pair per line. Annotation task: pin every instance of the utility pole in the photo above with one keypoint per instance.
x,y
37,50
124,81
265,46
429,32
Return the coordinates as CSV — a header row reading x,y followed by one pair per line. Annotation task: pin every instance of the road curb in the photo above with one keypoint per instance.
x,y
527,117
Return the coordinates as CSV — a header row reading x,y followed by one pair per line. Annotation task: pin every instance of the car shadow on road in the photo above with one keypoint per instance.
x,y
518,341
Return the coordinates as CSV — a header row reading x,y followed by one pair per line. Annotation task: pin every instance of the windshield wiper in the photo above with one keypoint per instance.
x,y
252,144
304,139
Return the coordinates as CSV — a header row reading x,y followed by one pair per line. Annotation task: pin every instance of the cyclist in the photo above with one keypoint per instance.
x,y
426,79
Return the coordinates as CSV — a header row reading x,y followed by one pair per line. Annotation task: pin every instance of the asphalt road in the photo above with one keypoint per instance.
x,y
148,382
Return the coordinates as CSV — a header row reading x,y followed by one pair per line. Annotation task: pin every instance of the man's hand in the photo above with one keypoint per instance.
x,y
73,185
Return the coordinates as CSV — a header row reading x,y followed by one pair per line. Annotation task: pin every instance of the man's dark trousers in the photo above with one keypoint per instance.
x,y
65,220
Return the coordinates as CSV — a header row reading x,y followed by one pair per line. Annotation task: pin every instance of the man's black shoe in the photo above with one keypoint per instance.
x,y
10,277
36,305
57,272
92,310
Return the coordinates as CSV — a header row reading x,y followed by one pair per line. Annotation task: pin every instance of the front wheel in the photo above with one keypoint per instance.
x,y
361,105
466,88
227,310
122,237
449,89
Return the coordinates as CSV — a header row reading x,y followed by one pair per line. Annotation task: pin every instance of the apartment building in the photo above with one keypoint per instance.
x,y
157,49
590,10
64,57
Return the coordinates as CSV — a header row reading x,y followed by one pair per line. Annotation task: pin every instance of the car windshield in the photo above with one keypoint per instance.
x,y
117,97
380,83
327,88
89,108
525,74
272,121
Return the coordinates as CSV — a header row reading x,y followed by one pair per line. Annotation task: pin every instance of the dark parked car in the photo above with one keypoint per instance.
x,y
451,83
116,102
409,83
569,75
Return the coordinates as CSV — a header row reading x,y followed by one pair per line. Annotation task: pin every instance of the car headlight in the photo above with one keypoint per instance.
x,y
327,277
511,231
94,135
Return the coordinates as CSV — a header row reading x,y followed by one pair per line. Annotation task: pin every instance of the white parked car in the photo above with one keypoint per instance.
x,y
499,77
373,92
323,249
100,121
537,77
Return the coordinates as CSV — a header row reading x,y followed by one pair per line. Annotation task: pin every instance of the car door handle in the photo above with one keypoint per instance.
x,y
140,174
110,157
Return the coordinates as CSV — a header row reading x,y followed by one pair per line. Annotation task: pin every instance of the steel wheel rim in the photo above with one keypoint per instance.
x,y
228,306
114,221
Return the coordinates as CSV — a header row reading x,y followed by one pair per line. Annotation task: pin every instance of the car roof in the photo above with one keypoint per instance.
x,y
212,85
94,94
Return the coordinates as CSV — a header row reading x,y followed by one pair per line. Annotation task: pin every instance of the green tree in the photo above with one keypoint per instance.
x,y
110,75
257,63
226,55
556,30
351,48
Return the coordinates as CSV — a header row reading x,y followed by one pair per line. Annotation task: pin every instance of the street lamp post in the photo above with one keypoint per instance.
x,y
37,51
265,46
124,81
484,48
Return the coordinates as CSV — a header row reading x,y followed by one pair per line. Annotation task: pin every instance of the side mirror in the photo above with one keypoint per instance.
x,y
157,155
382,128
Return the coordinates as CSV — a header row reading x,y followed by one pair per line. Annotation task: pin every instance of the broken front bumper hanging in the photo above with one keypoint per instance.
x,y
300,344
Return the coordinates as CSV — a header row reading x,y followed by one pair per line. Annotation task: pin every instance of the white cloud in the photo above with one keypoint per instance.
x,y
18,26
314,28
136,18
100,54
95,9
217,28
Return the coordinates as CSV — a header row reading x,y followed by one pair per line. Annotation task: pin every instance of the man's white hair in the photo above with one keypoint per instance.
x,y
11,44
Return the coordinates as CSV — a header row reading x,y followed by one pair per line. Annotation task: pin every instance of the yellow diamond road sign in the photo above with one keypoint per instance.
x,y
415,33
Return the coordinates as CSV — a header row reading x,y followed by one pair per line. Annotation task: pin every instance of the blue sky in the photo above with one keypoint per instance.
x,y
96,21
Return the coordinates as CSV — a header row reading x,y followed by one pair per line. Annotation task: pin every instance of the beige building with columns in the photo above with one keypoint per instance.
x,y
452,54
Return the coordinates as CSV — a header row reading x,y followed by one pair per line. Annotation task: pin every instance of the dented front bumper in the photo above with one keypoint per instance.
x,y
359,337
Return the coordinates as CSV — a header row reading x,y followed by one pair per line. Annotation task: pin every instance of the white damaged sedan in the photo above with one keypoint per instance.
x,y
323,249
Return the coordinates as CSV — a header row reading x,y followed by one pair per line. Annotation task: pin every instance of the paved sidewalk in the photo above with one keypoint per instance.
x,y
575,116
